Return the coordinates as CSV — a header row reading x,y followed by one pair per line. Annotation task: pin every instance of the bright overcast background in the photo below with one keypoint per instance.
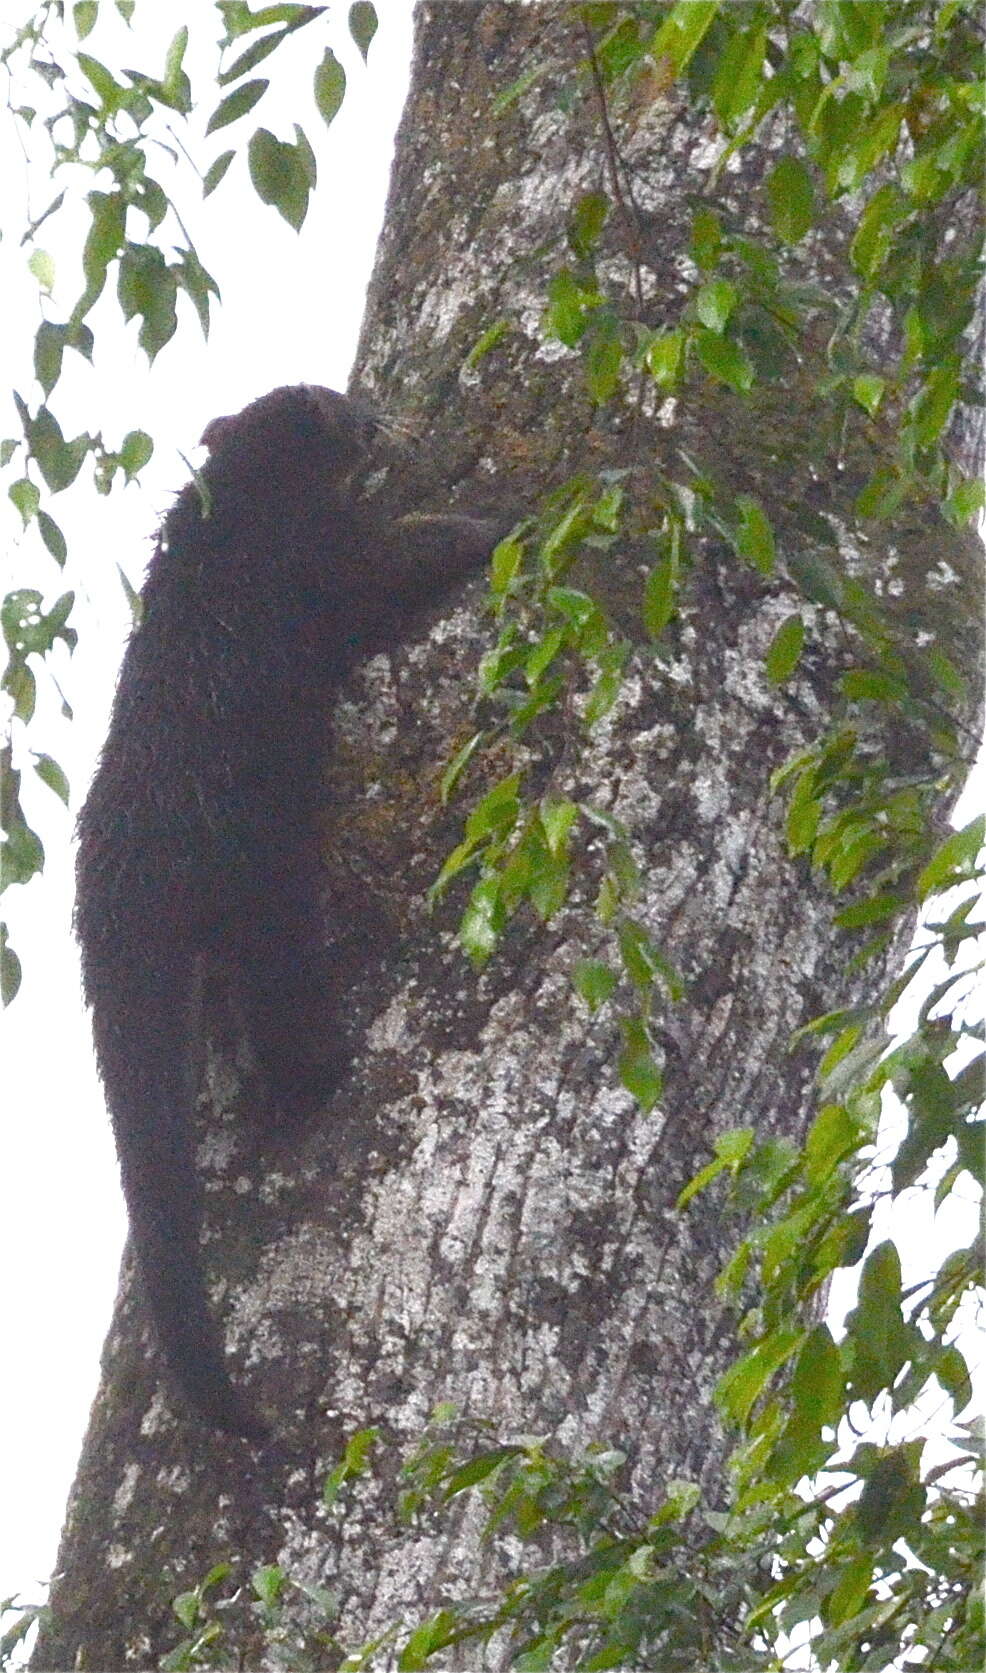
x,y
290,313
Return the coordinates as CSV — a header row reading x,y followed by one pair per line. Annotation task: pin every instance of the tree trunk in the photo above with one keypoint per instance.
x,y
484,1216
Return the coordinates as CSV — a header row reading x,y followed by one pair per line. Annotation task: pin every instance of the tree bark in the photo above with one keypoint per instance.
x,y
483,1215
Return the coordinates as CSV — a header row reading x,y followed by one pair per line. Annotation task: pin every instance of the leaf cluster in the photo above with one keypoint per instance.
x,y
882,106
120,142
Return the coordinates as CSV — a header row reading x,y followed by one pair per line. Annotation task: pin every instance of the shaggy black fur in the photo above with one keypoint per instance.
x,y
198,844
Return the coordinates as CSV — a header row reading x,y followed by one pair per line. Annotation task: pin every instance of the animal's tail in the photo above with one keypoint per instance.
x,y
147,1031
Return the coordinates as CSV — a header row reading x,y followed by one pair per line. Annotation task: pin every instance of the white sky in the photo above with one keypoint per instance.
x,y
291,312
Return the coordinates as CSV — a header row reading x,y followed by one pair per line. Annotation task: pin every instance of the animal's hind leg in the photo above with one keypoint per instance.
x,y
286,985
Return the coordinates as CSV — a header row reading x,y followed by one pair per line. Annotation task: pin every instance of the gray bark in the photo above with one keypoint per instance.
x,y
484,1216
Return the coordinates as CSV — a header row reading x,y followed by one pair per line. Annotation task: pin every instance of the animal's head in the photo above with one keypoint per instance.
x,y
299,429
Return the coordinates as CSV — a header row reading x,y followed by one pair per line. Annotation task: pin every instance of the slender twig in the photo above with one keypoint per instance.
x,y
624,199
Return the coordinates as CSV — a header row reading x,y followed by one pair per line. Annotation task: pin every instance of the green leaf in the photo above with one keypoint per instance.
x,y
20,686
516,89
198,285
637,1069
542,654
187,1607
714,302
362,24
681,33
704,1177
354,1463
586,225
505,562
874,910
497,813
848,1595
878,1342
557,818
52,536
479,1469
433,1634
147,287
706,243
955,861
742,1385
458,764
792,199
306,156
578,609
235,105
42,266
932,406
480,925
725,360
108,91
660,596
539,1658
815,1401
868,390
739,74
664,358
785,649
643,960
171,81
893,1500
103,242
608,685
26,497
10,969
875,235
869,685
268,1583
833,1136
734,1147
604,357
594,982
329,85
542,877
58,460
818,1383
570,529
49,346
731,1150
215,172
255,55
84,15
883,494
965,502
358,1449
754,538
21,855
50,773
953,1373
569,304
487,340
136,450
280,175
817,579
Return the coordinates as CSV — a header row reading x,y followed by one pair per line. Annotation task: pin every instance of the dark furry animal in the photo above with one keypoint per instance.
x,y
198,844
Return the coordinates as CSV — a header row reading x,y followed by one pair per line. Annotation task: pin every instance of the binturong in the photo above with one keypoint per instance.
x,y
198,843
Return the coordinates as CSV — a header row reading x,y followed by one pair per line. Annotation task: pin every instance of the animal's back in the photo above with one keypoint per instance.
x,y
198,843
198,809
